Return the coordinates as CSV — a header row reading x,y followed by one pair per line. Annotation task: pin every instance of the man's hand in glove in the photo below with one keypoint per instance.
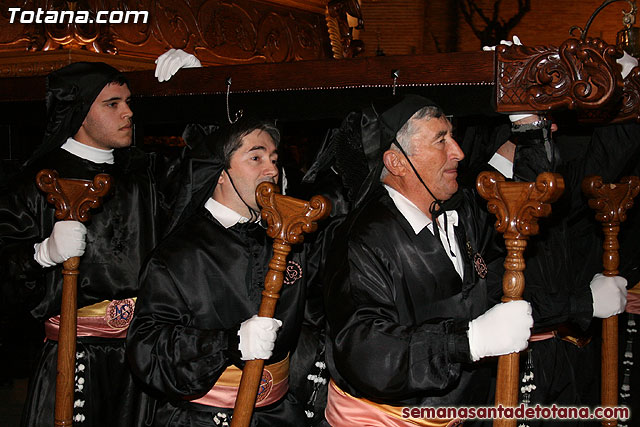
x,y
171,61
66,240
609,295
257,337
504,328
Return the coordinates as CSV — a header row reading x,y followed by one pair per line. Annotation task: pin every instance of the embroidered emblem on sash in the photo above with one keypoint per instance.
x,y
266,384
119,313
292,273
479,264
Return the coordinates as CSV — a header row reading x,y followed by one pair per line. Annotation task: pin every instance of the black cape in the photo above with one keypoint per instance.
x,y
397,310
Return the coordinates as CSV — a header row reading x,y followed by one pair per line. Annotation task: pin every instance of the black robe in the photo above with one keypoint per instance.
x,y
398,312
119,236
197,287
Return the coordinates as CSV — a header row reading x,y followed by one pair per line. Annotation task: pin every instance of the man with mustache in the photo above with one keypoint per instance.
x,y
406,283
89,131
196,319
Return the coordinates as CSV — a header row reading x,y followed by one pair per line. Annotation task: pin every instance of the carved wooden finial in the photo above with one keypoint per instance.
x,y
611,202
517,206
289,218
73,198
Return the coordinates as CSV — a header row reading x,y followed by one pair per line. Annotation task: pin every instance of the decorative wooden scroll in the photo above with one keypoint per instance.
x,y
72,198
625,109
578,75
517,205
288,219
343,45
217,31
611,202
630,109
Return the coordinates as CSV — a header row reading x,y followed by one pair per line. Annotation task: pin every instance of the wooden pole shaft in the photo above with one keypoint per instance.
x,y
609,356
507,396
517,205
73,198
509,364
252,371
610,202
67,344
288,220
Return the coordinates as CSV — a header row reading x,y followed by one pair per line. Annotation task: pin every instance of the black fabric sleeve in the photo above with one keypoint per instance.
x,y
165,350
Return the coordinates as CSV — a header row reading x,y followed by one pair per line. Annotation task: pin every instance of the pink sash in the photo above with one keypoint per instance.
x,y
344,410
273,386
633,302
106,319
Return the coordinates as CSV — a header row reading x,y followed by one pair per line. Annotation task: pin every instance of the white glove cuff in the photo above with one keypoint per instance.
x,y
41,254
474,356
515,117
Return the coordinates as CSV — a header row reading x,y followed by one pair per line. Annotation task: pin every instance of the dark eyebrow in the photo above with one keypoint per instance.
x,y
115,98
257,147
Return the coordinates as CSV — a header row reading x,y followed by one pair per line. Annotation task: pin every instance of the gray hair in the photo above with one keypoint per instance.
x,y
405,134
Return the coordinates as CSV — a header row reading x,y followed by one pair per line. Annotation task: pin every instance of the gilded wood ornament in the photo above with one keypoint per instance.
x,y
343,44
72,199
287,220
218,32
517,206
611,202
577,75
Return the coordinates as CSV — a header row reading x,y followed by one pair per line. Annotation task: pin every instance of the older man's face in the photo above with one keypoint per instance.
x,y
435,155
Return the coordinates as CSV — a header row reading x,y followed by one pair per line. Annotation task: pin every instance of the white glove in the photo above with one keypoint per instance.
x,y
628,62
504,328
516,41
609,295
66,240
515,117
257,337
171,61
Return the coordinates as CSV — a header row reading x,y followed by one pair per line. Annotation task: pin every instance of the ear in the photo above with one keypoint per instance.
x,y
222,178
394,162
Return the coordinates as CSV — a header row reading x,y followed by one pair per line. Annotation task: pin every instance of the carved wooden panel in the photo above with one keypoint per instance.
x,y
629,110
218,32
577,75
20,64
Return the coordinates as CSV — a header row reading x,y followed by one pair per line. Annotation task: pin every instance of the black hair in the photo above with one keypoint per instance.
x,y
230,137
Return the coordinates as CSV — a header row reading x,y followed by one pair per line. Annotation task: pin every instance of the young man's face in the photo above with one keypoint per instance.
x,y
108,123
436,155
251,164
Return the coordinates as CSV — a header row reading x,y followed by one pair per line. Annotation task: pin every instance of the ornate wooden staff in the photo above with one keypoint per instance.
x,y
72,198
288,219
611,202
517,205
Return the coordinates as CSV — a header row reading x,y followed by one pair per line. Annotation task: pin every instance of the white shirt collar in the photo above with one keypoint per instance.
x,y
416,218
418,221
225,216
95,155
502,165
